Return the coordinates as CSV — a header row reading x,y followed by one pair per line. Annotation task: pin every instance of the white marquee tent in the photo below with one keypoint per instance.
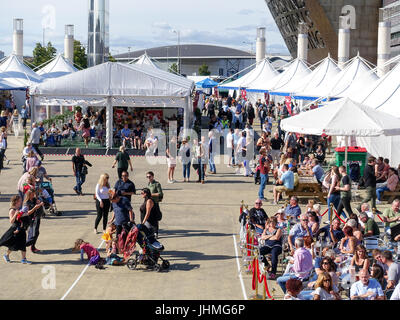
x,y
144,60
14,71
58,67
117,84
326,70
278,85
344,117
383,95
355,76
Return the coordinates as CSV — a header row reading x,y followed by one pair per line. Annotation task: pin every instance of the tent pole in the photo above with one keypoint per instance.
x,y
109,121
345,152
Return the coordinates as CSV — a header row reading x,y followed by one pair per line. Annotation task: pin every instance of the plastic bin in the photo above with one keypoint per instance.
x,y
354,154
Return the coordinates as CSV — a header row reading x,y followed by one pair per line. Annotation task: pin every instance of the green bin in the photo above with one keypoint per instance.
x,y
354,154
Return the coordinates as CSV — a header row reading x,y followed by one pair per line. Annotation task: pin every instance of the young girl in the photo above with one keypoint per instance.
x,y
310,205
112,258
85,247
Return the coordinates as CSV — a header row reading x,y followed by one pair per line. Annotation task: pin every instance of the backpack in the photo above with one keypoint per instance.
x,y
354,171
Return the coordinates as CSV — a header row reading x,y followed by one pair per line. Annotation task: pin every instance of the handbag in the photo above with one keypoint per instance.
x,y
195,166
84,170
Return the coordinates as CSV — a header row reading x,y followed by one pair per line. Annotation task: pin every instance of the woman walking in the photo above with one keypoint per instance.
x,y
148,211
3,145
184,152
199,159
334,193
34,207
15,237
171,153
102,201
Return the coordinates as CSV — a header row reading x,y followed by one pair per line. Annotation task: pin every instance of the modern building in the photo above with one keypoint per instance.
x,y
98,32
322,18
221,61
392,14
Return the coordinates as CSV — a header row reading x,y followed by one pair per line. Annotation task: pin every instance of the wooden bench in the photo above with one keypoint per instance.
x,y
308,187
308,194
391,195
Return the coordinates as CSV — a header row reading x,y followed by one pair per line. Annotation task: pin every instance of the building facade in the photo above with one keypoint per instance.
x,y
98,32
392,14
322,19
221,61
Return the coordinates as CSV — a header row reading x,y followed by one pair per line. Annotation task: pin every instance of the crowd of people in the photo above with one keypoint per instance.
x,y
318,259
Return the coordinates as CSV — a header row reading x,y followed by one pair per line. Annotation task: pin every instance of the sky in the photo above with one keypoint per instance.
x,y
142,24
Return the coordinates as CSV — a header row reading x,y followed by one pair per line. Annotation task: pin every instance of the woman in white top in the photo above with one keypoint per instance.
x,y
102,201
325,289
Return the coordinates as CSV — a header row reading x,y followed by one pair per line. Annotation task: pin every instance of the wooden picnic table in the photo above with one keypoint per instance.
x,y
308,187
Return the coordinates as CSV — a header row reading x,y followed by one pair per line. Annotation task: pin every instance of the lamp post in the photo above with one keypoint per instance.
x,y
179,49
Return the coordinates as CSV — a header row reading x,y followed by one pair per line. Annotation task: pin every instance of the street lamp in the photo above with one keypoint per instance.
x,y
179,49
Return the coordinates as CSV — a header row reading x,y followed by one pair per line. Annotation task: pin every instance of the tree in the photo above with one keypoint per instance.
x,y
42,54
173,68
80,57
111,58
203,70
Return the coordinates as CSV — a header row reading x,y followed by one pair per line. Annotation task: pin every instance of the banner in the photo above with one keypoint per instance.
x,y
216,92
243,94
288,102
151,114
266,97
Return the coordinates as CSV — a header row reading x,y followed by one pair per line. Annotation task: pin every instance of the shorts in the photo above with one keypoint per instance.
x,y
171,163
281,189
94,260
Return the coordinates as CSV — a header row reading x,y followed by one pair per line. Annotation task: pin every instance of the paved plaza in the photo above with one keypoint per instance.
x,y
199,231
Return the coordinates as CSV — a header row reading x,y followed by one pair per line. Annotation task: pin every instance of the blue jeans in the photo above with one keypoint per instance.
x,y
211,163
200,170
80,180
283,279
186,170
263,183
381,190
335,199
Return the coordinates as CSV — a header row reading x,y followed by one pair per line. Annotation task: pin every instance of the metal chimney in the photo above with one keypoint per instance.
x,y
260,45
302,43
69,43
343,43
384,38
18,38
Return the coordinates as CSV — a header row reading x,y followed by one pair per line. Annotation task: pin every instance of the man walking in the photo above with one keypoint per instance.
x,y
80,170
35,139
370,183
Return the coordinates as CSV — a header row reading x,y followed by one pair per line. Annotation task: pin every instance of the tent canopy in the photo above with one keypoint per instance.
x,y
206,83
263,73
317,79
144,60
282,83
14,71
355,76
343,117
6,85
245,79
115,80
58,67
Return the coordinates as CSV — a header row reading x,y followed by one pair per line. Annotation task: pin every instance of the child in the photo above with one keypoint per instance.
x,y
85,247
310,205
112,258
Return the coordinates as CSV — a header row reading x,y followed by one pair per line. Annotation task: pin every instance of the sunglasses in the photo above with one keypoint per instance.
x,y
258,202
149,177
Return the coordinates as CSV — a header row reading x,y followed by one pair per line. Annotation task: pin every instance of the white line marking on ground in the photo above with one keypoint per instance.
x,y
80,276
238,264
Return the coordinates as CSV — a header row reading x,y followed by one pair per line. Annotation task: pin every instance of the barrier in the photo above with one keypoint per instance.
x,y
256,280
250,257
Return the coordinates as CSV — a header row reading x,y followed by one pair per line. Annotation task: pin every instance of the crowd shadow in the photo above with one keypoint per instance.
x,y
165,234
195,256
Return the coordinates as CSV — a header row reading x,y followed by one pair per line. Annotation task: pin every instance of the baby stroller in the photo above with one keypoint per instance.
x,y
150,250
47,196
